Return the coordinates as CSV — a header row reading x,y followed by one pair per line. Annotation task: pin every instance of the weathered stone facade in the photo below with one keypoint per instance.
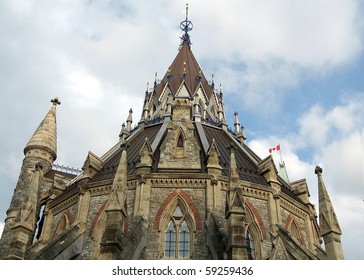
x,y
180,185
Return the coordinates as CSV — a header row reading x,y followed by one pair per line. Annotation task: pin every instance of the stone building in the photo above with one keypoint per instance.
x,y
178,185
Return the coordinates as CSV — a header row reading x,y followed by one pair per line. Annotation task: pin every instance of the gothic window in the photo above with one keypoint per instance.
x,y
249,241
184,241
180,144
170,244
180,141
254,232
177,241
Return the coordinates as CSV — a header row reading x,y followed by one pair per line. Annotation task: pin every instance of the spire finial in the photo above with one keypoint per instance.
x,y
56,101
155,79
318,170
186,26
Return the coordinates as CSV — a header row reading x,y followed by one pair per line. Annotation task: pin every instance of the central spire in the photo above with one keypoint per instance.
x,y
186,26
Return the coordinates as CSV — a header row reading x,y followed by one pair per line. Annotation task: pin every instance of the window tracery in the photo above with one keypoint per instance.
x,y
177,240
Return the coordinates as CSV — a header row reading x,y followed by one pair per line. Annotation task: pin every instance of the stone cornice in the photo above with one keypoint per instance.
x,y
65,204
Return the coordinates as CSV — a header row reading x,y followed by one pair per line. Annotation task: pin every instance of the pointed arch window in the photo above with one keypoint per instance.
x,y
180,144
184,241
170,243
250,247
180,141
177,242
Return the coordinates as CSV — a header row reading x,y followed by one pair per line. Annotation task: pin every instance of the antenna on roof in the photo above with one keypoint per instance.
x,y
186,26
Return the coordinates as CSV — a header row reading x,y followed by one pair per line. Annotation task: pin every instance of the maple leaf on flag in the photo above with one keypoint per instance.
x,y
276,148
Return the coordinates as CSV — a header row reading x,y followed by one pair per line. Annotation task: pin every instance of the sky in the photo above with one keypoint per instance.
x,y
292,69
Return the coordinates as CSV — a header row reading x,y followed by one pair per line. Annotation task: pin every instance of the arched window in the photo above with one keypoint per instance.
x,y
180,144
255,232
170,243
180,141
177,241
184,241
250,247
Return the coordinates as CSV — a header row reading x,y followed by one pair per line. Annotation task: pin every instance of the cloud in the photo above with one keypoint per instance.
x,y
344,163
275,46
97,56
350,212
334,139
318,126
312,34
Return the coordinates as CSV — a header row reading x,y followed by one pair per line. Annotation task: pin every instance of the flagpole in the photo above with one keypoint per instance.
x,y
280,153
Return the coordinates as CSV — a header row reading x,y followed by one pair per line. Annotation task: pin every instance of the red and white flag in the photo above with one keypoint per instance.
x,y
276,148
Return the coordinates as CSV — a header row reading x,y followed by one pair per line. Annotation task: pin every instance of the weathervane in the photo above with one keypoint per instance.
x,y
186,26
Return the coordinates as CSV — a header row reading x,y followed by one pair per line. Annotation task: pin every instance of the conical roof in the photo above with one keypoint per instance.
x,y
45,136
184,68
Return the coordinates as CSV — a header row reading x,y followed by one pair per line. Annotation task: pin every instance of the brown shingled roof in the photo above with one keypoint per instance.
x,y
184,62
248,170
109,167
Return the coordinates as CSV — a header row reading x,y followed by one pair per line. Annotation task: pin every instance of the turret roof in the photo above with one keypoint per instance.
x,y
45,136
184,68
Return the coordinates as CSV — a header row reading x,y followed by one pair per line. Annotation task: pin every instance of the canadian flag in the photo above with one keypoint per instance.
x,y
276,148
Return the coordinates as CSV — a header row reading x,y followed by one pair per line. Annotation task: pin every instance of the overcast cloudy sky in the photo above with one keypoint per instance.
x,y
292,69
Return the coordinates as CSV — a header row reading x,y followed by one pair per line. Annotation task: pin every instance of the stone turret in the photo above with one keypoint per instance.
x,y
40,152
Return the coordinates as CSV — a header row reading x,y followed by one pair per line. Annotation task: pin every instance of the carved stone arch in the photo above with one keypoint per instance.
x,y
96,231
177,201
96,238
256,218
64,223
293,227
253,233
186,199
177,230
